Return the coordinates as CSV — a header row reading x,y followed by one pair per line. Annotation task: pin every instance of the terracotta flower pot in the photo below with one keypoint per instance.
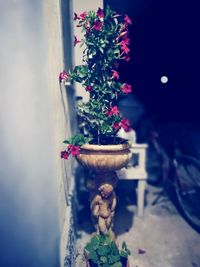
x,y
104,157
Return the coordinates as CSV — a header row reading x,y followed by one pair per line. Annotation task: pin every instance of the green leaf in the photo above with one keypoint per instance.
x,y
125,251
104,250
93,256
108,240
124,254
94,241
101,240
117,264
115,249
89,247
106,128
101,50
78,140
93,244
114,258
124,246
103,259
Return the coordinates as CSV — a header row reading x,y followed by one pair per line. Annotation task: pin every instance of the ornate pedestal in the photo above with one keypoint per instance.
x,y
103,161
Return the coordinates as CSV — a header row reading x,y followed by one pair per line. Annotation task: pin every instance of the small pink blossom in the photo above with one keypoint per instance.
x,y
83,15
64,154
126,88
76,41
126,58
88,88
116,125
127,20
97,25
115,74
100,13
113,111
125,124
126,40
124,48
74,150
63,76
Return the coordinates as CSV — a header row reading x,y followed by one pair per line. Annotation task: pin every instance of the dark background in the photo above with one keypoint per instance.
x,y
164,41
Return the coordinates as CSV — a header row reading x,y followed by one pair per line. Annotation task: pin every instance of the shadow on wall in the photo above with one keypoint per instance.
x,y
28,208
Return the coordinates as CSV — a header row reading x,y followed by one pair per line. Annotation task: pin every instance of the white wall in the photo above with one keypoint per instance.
x,y
29,228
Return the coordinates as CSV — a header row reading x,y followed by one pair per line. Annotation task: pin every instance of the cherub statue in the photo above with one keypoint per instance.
x,y
102,206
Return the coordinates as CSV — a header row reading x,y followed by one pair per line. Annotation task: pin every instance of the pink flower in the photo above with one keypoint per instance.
x,y
74,150
126,58
100,13
63,76
64,154
116,125
125,124
115,74
113,111
76,41
126,88
83,15
124,48
126,40
97,25
88,88
127,20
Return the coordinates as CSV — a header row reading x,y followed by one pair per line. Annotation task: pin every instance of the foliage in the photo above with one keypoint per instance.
x,y
105,44
102,251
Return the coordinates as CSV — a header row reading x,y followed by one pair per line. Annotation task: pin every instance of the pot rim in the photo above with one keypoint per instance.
x,y
117,147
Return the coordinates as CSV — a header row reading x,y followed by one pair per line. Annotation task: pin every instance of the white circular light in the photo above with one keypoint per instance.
x,y
164,79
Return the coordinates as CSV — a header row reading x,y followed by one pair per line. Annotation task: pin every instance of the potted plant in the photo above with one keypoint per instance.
x,y
97,145
102,251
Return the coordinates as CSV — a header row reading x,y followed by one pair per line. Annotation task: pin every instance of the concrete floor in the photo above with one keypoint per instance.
x,y
161,238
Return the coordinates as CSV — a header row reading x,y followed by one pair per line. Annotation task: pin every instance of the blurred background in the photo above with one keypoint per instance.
x,y
164,42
